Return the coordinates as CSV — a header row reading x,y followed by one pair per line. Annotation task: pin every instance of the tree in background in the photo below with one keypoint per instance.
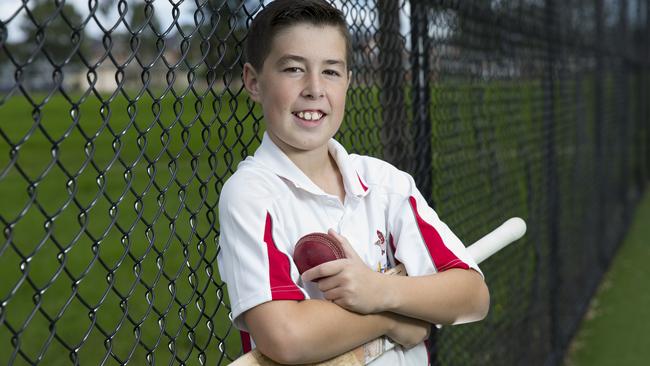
x,y
54,39
223,30
144,40
54,29
145,26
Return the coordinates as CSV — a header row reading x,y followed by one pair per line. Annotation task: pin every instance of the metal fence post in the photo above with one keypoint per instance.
x,y
639,121
599,112
421,91
421,121
626,66
549,121
391,92
646,101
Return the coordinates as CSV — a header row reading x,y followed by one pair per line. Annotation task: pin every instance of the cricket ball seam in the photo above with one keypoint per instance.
x,y
321,239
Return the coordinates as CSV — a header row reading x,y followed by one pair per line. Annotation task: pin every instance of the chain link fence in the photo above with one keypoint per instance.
x,y
121,120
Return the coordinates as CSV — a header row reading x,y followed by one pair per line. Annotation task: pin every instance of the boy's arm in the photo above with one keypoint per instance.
x,y
296,332
447,297
450,297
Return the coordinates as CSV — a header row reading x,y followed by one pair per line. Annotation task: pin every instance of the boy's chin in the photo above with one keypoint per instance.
x,y
299,142
311,144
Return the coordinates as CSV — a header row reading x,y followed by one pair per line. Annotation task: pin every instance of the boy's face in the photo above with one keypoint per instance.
x,y
302,86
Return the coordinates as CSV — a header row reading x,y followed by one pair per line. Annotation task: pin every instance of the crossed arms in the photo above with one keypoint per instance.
x,y
362,305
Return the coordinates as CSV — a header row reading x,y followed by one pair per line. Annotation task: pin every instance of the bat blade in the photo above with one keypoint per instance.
x,y
511,230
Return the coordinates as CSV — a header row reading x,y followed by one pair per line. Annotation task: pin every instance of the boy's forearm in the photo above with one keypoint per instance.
x,y
452,296
308,331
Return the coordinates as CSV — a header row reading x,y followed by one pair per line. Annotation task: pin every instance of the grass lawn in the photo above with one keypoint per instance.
x,y
616,329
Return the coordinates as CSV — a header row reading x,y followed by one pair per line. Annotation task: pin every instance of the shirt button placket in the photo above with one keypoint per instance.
x,y
336,210
343,213
331,208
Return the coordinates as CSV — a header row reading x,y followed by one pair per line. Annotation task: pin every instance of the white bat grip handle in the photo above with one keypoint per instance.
x,y
511,230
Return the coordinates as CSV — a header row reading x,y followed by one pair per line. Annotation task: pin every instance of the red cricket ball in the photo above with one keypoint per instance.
x,y
314,249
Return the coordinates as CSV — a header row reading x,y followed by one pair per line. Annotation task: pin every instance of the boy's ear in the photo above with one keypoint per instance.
x,y
251,82
349,79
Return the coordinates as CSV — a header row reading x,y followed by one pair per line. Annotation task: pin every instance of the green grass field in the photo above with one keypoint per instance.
x,y
616,327
131,230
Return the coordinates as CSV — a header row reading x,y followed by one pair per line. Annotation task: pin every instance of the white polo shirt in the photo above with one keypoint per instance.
x,y
268,204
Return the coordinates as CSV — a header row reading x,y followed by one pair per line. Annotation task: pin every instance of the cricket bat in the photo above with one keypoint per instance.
x,y
510,231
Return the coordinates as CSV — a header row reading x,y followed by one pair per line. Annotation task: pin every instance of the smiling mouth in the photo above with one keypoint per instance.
x,y
309,115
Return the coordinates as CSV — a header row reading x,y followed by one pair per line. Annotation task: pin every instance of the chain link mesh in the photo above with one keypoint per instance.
x,y
120,121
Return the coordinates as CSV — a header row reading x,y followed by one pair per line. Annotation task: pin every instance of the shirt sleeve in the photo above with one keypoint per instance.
x,y
420,240
252,258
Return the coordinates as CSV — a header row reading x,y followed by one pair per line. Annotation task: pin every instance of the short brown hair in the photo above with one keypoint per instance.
x,y
281,14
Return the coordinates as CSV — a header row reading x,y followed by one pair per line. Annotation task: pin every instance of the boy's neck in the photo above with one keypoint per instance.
x,y
313,163
319,166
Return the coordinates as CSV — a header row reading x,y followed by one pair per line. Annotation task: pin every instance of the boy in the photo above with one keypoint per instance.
x,y
301,181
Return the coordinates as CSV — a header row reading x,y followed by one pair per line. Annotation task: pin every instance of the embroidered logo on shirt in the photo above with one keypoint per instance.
x,y
382,264
381,242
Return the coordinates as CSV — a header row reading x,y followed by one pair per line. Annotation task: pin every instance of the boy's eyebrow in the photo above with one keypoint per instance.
x,y
335,62
286,58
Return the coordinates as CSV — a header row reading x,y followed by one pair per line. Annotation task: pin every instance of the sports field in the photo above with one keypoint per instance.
x,y
616,329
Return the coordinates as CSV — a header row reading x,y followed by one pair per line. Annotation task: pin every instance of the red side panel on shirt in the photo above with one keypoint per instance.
x,y
442,257
282,286
393,248
245,341
361,182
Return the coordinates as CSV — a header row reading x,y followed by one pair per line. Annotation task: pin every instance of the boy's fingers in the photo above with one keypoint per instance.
x,y
332,295
324,270
327,283
347,248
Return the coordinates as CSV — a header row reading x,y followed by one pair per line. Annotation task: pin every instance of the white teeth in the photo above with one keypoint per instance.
x,y
310,116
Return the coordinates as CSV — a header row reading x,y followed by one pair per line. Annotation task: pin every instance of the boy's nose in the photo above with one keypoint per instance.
x,y
313,88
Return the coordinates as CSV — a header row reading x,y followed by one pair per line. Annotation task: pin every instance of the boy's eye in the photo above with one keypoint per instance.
x,y
292,69
332,73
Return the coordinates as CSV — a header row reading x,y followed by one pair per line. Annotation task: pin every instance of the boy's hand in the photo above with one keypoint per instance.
x,y
348,282
408,332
